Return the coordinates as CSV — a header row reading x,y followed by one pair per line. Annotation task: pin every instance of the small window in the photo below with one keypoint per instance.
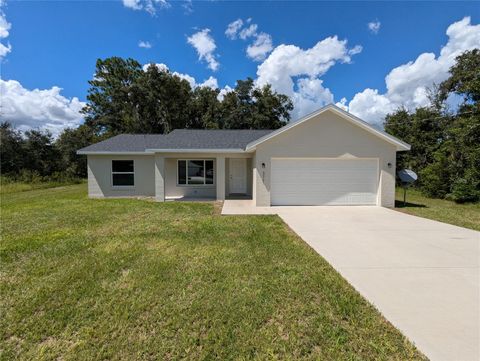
x,y
195,172
123,173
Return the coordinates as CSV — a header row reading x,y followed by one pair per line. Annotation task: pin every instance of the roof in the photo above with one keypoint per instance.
x,y
400,145
218,140
178,140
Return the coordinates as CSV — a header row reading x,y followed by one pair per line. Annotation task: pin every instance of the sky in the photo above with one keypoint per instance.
x,y
367,57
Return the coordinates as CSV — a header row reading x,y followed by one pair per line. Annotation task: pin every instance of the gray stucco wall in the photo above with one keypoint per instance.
x,y
100,176
326,136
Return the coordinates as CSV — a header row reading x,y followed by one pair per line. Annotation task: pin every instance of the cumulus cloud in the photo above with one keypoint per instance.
x,y
407,85
38,109
374,26
149,6
211,82
5,27
296,72
233,28
259,49
262,44
248,32
144,44
224,91
205,46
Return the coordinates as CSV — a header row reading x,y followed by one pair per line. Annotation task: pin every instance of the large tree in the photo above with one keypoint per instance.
x,y
251,107
445,145
111,108
162,101
125,98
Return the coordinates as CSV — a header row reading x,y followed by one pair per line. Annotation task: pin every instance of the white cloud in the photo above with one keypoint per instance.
x,y
205,46
233,28
248,32
259,49
374,26
211,82
342,104
224,91
38,109
132,4
144,44
296,72
149,6
261,46
5,27
407,84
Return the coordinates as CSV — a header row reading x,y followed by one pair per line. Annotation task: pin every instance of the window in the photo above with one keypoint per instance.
x,y
122,173
195,172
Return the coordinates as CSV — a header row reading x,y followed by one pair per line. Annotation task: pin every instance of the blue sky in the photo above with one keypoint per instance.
x,y
55,44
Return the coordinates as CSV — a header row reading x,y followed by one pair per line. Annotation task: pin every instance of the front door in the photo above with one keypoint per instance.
x,y
238,176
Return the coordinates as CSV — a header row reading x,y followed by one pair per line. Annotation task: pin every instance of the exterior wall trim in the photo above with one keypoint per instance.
x,y
112,153
187,150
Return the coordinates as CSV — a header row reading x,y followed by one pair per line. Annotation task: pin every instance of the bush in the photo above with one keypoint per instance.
x,y
464,191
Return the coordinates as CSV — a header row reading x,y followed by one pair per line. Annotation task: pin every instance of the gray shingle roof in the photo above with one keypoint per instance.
x,y
178,139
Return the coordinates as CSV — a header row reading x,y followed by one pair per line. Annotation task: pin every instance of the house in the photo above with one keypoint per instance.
x,y
329,157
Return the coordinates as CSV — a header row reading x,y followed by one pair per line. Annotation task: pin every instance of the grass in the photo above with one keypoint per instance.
x,y
463,215
134,279
7,186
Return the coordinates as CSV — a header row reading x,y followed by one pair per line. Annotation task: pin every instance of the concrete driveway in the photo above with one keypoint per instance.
x,y
422,275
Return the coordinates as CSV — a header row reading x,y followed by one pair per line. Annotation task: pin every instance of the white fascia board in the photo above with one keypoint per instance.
x,y
353,119
87,152
229,150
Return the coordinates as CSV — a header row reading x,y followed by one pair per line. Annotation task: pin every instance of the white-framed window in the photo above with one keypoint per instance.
x,y
195,172
123,173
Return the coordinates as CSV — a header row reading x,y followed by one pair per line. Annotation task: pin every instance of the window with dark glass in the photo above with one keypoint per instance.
x,y
123,173
195,172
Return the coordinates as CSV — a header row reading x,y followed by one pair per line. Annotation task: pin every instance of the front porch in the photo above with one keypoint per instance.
x,y
203,177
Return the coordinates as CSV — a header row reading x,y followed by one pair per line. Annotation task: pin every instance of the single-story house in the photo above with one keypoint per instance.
x,y
328,157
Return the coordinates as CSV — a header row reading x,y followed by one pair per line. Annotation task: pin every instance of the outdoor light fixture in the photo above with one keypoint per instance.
x,y
389,165
263,165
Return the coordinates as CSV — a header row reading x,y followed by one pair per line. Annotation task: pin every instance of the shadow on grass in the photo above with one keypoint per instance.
x,y
400,204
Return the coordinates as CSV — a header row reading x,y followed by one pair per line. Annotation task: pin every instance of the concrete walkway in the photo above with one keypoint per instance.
x,y
422,275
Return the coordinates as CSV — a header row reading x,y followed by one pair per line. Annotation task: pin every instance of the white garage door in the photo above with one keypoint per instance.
x,y
316,181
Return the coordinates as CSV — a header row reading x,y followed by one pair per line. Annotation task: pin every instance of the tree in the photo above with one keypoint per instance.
x,y
110,108
250,107
12,151
162,101
67,144
423,129
464,80
445,146
205,109
41,156
125,98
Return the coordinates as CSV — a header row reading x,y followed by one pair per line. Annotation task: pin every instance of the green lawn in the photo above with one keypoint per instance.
x,y
463,215
7,186
134,279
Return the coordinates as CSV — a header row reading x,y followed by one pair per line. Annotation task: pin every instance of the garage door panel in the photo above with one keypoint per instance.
x,y
324,182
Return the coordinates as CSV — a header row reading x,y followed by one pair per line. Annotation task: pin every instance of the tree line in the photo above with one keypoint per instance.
x,y
445,144
125,98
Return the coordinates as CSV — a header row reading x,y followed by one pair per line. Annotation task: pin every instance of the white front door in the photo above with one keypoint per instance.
x,y
238,175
